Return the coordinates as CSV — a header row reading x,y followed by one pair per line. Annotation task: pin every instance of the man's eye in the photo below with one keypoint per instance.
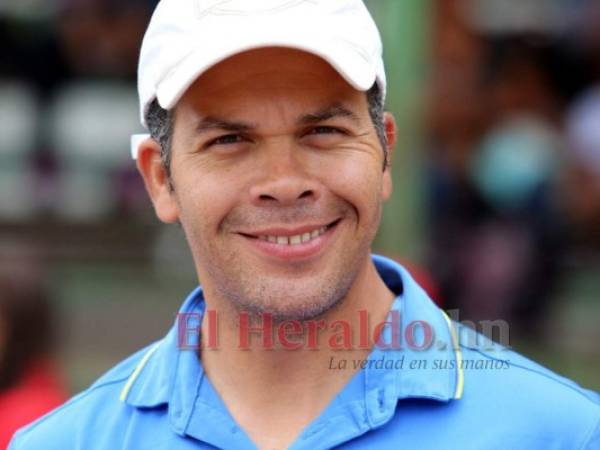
x,y
325,130
227,140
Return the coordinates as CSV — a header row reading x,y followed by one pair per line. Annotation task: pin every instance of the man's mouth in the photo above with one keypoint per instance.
x,y
292,237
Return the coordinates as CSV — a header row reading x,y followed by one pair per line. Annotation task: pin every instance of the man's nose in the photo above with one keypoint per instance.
x,y
284,180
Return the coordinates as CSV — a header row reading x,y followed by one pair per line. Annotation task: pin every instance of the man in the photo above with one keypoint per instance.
x,y
270,147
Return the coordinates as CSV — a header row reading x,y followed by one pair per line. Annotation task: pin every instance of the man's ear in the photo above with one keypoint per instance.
x,y
158,184
391,136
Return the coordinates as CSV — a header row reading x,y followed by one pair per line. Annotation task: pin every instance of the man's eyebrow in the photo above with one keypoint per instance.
x,y
330,112
216,123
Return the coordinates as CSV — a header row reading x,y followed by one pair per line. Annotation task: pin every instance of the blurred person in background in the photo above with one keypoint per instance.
x,y
582,172
495,149
582,175
100,38
29,382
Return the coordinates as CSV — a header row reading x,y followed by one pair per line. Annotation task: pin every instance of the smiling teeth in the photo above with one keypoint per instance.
x,y
294,240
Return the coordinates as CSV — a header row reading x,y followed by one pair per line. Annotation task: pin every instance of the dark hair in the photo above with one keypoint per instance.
x,y
27,322
160,123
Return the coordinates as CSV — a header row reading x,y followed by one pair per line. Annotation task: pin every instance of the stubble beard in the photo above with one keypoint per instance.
x,y
282,296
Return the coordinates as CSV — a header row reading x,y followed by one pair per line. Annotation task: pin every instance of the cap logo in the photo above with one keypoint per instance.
x,y
245,7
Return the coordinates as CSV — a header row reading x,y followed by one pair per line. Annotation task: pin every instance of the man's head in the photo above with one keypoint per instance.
x,y
271,160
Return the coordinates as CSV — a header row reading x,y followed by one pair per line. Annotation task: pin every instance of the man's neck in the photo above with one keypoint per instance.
x,y
288,388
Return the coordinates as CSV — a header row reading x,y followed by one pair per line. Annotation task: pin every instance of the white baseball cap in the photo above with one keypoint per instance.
x,y
187,37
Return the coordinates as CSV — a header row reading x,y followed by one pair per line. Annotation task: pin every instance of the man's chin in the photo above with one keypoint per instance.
x,y
300,310
285,296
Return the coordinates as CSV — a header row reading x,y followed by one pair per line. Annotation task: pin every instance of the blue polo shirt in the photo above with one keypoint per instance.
x,y
471,394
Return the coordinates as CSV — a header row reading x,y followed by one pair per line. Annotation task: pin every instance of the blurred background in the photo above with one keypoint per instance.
x,y
497,175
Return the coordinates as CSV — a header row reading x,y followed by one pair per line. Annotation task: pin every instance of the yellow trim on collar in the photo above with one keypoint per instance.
x,y
460,380
136,372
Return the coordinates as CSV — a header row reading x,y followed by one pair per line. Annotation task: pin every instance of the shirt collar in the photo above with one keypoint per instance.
x,y
168,374
418,312
433,373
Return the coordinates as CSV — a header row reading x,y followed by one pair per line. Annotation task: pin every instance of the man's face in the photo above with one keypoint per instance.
x,y
277,181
